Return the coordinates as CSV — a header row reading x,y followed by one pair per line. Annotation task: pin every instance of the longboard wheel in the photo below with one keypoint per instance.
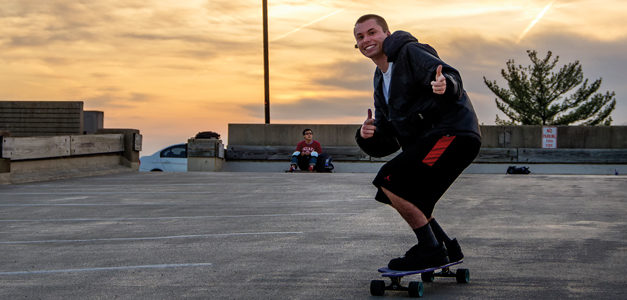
x,y
415,289
462,275
427,277
377,287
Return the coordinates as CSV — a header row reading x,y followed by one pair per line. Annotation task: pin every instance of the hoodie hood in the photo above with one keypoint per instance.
x,y
393,44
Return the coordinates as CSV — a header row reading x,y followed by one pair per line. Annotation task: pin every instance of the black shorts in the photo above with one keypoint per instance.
x,y
424,171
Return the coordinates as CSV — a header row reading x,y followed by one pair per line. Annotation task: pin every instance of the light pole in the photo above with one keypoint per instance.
x,y
266,69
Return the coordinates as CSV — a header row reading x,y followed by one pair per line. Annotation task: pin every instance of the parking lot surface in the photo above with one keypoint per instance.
x,y
233,235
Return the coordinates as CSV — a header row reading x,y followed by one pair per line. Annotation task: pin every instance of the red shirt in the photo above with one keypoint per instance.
x,y
304,147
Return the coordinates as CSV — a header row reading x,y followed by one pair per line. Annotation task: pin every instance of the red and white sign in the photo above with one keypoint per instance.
x,y
549,137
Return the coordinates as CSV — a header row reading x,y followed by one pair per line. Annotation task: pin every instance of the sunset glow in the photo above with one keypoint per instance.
x,y
174,68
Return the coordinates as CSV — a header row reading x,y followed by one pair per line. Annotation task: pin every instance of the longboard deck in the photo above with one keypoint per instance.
x,y
416,288
387,272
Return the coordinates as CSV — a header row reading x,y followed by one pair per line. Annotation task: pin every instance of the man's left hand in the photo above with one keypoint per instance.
x,y
439,85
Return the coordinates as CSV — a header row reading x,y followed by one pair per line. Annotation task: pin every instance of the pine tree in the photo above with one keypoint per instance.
x,y
538,96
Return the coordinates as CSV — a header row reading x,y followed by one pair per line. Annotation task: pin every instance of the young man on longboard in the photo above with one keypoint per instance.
x,y
421,108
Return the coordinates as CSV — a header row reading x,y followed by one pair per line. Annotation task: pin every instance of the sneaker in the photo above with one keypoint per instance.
x,y
311,168
292,168
420,258
454,250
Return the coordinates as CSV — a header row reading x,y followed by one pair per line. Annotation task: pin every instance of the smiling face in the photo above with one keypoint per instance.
x,y
370,36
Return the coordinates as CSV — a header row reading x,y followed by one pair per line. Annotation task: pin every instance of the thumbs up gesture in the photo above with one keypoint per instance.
x,y
368,128
439,85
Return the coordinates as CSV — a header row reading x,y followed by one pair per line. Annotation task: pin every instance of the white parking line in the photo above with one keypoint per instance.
x,y
156,191
82,204
175,218
164,266
174,204
150,238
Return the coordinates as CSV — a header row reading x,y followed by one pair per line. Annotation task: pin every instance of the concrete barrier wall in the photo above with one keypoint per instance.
x,y
291,134
41,118
568,137
501,144
580,137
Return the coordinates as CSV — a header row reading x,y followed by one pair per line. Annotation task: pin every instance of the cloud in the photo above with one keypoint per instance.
x,y
199,63
475,57
348,75
308,109
113,97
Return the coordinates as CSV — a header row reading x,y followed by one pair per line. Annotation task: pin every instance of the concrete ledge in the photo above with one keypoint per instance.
x,y
552,156
248,152
475,168
43,158
62,168
597,156
486,155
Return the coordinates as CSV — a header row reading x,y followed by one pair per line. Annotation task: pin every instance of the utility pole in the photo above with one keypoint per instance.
x,y
266,69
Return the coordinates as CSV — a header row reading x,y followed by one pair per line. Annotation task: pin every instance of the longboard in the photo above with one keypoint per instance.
x,y
416,288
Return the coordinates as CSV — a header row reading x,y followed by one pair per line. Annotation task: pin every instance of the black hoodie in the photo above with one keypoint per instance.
x,y
414,111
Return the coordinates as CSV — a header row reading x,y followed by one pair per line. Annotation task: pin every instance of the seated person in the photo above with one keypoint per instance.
x,y
306,154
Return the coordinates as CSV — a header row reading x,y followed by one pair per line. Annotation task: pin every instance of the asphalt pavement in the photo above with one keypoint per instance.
x,y
234,235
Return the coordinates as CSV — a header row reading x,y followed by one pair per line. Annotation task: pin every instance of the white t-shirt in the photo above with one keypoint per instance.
x,y
387,78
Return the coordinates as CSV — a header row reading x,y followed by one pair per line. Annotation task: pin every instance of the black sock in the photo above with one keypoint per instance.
x,y
438,231
426,237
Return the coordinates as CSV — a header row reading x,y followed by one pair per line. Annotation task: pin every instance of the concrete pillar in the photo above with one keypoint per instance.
x,y
205,155
5,163
132,146
92,121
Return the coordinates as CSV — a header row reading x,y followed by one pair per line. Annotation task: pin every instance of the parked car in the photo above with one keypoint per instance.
x,y
170,159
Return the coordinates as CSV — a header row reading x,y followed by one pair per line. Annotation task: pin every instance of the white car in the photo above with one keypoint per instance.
x,y
170,159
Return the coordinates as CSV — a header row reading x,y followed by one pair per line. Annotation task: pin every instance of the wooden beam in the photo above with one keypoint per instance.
x,y
21,148
18,148
92,144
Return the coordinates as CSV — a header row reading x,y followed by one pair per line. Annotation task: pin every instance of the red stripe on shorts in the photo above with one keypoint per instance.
x,y
437,150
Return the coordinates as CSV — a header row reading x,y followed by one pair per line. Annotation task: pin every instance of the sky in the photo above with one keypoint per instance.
x,y
174,68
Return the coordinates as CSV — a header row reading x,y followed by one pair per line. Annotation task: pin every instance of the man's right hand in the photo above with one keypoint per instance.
x,y
368,128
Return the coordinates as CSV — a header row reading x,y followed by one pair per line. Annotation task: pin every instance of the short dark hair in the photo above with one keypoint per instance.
x,y
307,129
380,21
